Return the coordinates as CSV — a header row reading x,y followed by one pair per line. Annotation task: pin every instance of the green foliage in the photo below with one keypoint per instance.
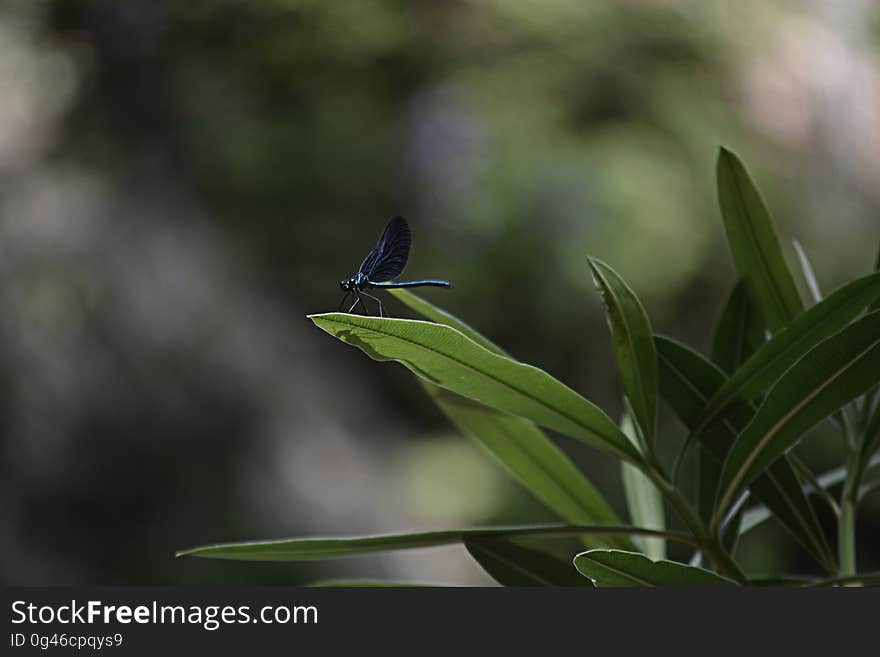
x,y
747,410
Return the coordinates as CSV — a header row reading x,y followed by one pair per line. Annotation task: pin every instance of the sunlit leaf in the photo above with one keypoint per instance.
x,y
446,357
310,549
440,316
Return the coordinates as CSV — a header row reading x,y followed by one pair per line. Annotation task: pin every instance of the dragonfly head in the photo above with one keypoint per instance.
x,y
345,284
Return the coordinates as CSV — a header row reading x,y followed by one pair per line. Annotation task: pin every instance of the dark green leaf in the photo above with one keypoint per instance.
x,y
619,568
739,332
830,375
633,346
514,565
754,245
446,357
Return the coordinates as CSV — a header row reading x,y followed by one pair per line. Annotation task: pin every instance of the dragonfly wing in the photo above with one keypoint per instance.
x,y
388,259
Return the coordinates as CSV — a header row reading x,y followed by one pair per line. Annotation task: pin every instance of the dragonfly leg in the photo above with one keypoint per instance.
x,y
342,303
361,301
353,305
377,300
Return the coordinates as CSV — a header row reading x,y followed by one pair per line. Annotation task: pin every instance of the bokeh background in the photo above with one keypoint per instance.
x,y
182,182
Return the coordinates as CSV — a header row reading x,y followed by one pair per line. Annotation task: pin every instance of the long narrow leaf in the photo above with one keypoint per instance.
x,y
514,565
830,375
619,568
687,381
633,346
754,245
446,357
311,549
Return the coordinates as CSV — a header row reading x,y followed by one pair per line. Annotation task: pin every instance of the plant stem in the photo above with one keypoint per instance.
x,y
846,526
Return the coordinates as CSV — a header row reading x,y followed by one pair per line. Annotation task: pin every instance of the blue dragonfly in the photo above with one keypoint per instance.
x,y
382,265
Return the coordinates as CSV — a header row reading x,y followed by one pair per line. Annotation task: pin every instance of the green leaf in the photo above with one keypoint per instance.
x,y
739,332
754,245
633,346
807,270
533,459
440,316
521,447
446,357
514,565
618,568
687,381
773,358
644,501
310,549
827,377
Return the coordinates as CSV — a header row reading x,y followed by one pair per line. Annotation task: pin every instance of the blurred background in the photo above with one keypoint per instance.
x,y
181,183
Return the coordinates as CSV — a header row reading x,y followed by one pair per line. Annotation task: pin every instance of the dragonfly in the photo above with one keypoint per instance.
x,y
382,265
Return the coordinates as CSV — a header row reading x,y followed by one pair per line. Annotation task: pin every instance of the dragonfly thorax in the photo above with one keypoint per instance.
x,y
357,282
